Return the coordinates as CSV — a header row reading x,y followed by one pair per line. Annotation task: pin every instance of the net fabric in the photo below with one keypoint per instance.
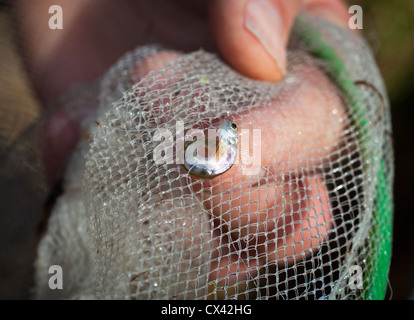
x,y
128,227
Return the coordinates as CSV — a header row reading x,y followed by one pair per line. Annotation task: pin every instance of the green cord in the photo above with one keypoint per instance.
x,y
381,231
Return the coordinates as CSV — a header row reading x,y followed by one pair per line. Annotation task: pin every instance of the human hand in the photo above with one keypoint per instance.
x,y
253,43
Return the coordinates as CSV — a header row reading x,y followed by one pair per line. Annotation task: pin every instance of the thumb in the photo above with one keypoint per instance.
x,y
252,35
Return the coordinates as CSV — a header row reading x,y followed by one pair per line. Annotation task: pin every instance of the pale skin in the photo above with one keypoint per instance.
x,y
90,43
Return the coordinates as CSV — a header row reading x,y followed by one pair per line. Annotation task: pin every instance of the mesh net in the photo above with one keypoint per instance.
x,y
304,212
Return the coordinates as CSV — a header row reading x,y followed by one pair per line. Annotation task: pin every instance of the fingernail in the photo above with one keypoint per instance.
x,y
265,22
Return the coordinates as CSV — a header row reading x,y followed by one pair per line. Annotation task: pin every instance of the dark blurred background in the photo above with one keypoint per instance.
x,y
389,28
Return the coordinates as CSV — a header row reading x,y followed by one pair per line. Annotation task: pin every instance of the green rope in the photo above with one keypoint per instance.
x,y
381,233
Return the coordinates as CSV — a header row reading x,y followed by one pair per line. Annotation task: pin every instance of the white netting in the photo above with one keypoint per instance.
x,y
128,227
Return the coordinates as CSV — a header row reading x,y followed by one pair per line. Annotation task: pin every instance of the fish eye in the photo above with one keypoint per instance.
x,y
233,125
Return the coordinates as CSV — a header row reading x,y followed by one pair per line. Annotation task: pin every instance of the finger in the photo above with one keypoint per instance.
x,y
301,231
60,135
63,129
334,11
152,63
285,233
300,128
252,35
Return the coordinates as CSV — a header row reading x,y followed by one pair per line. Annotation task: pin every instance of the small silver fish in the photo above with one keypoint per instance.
x,y
221,154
